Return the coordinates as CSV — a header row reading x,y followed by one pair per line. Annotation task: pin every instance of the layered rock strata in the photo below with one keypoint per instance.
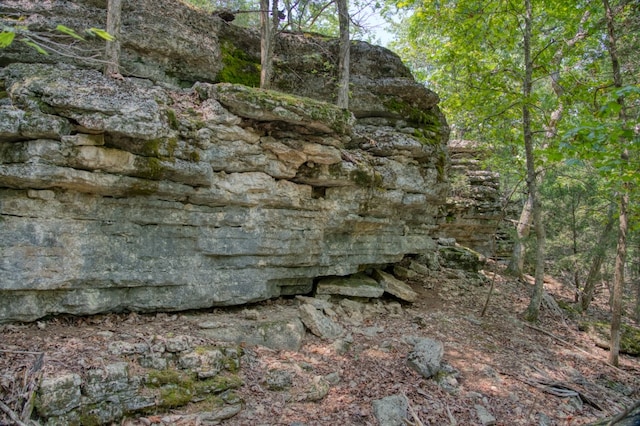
x,y
474,204
123,195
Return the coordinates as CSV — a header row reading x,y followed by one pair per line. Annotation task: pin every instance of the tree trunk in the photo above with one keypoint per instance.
x,y
623,225
516,263
343,62
533,309
266,50
618,280
636,310
596,264
112,52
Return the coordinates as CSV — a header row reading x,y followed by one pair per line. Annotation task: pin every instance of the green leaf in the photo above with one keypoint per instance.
x,y
101,33
66,30
6,38
38,48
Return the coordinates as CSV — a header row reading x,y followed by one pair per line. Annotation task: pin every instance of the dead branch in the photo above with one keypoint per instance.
x,y
12,415
417,420
624,413
574,346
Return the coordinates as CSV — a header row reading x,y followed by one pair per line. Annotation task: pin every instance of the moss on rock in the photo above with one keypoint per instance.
x,y
238,67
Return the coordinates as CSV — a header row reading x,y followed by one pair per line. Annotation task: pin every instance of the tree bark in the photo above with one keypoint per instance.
x,y
112,51
267,39
623,224
343,62
618,280
533,309
516,263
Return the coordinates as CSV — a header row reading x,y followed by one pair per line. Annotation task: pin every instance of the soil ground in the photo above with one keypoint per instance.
x,y
522,375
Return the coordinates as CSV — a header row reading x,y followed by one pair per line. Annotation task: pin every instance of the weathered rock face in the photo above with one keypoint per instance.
x,y
169,42
474,205
136,194
123,195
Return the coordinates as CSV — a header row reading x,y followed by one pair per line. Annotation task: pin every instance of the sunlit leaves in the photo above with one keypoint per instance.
x,y
101,33
41,42
34,45
68,31
6,38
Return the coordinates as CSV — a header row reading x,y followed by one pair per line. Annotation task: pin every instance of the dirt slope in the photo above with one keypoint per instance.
x,y
520,374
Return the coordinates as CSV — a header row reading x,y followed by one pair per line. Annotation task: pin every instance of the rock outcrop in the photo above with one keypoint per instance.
x,y
177,188
474,204
130,196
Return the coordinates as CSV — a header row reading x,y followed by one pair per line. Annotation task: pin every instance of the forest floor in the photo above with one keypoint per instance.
x,y
547,373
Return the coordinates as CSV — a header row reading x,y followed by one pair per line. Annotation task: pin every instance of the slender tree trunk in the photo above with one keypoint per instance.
x,y
636,310
343,62
533,309
516,263
266,61
623,224
112,53
596,264
618,280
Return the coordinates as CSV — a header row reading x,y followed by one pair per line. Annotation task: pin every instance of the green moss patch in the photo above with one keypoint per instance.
x,y
176,388
270,105
238,67
629,338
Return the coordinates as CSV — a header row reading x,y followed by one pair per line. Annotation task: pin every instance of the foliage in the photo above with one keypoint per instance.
x,y
42,43
469,52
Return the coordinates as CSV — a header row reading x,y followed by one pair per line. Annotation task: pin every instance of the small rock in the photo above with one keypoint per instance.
x,y
155,362
178,344
106,334
420,268
447,242
351,306
394,286
403,272
342,346
126,348
318,389
544,420
369,331
278,380
486,419
426,356
333,378
276,333
318,323
391,410
394,309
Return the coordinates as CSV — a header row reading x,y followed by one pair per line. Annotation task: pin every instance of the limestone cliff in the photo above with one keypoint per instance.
x,y
176,189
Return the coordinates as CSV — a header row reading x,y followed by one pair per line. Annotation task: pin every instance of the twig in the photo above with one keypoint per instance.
x,y
32,387
574,346
418,422
12,415
20,352
486,303
452,420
